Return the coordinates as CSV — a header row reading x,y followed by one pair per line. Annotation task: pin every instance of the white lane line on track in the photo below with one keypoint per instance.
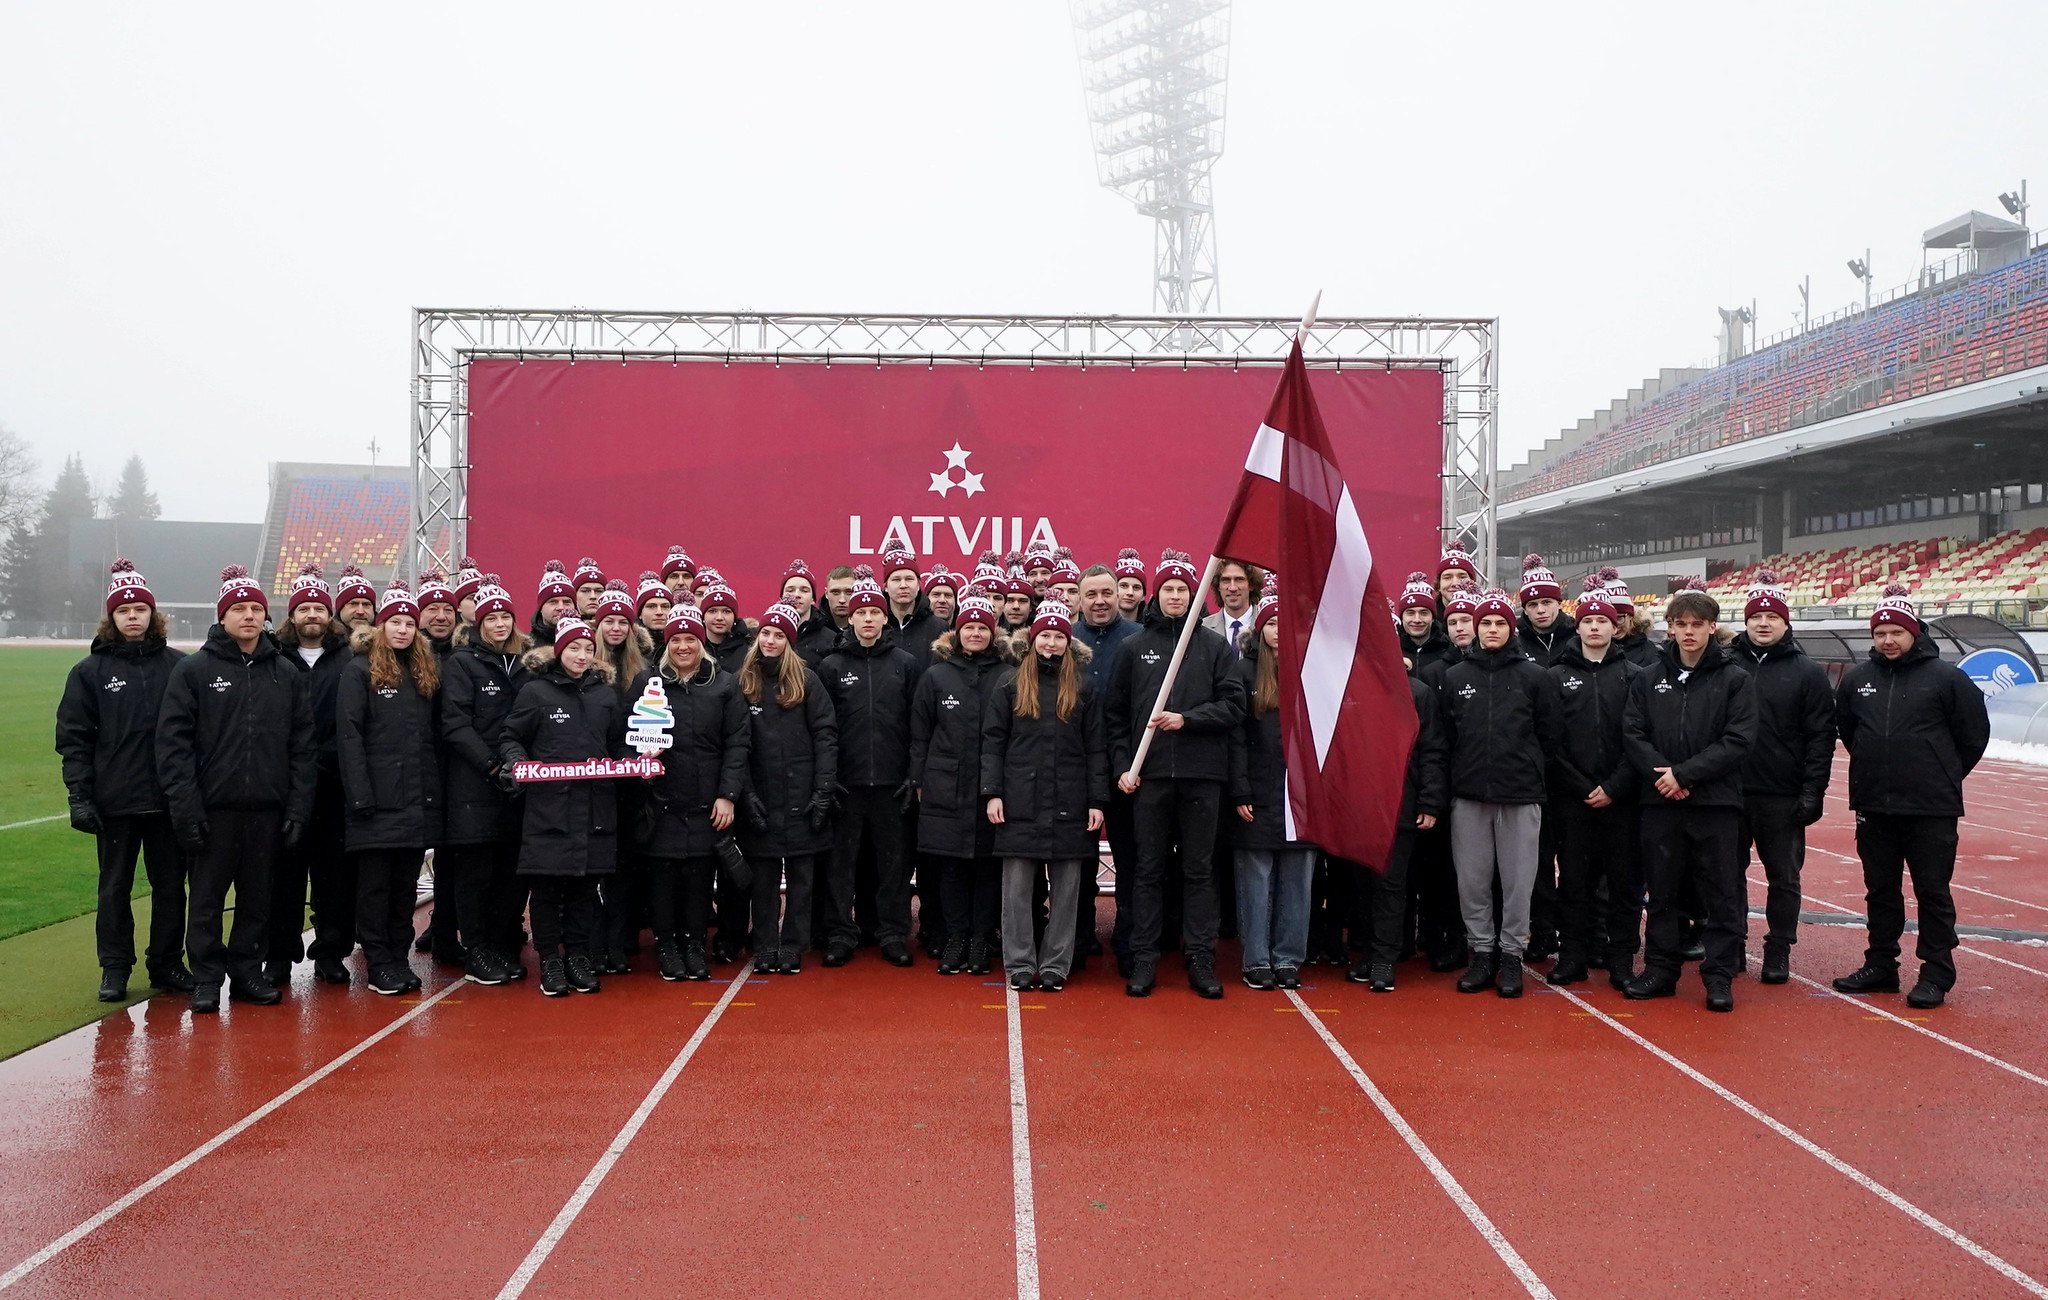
x,y
1023,1196
522,1276
2017,902
1871,1008
1444,1179
49,1252
34,821
1818,1152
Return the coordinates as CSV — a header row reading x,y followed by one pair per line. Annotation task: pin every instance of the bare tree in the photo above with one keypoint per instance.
x,y
20,497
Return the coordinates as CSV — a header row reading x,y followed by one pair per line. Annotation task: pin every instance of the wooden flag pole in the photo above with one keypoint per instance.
x,y
1180,650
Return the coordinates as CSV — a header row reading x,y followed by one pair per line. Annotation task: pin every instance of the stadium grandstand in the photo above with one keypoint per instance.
x,y
334,515
1905,441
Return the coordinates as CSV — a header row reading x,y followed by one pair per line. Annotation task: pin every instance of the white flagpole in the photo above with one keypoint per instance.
x,y
1180,650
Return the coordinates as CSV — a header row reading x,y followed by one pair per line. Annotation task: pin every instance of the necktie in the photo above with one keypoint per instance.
x,y
1236,629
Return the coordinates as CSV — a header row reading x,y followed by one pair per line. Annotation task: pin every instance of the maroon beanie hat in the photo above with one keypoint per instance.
x,y
678,561
615,600
867,593
941,576
310,587
1269,604
1130,564
1462,599
1052,617
1455,556
718,597
1495,601
897,558
1538,582
798,569
651,586
975,608
353,586
1419,593
467,579
125,586
783,618
1038,555
235,587
684,618
1064,570
1175,564
587,571
491,596
397,599
1896,610
554,581
570,628
1767,597
434,589
1593,601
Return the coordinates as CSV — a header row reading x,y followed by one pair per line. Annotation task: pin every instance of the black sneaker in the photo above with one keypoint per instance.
x,y
1260,978
1478,977
1926,996
1621,968
1024,981
1694,951
515,969
792,962
953,957
256,991
1382,977
694,965
724,951
1569,970
1144,975
615,962
768,961
668,959
1360,972
897,953
1202,976
483,967
838,953
278,973
1870,979
330,971
1777,966
981,956
412,981
582,976
450,953
205,999
1051,983
1649,985
171,979
389,980
1507,976
554,977
114,984
1288,977
1720,996
424,941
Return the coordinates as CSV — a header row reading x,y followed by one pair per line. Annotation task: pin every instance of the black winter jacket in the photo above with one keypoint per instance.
x,y
1702,727
1427,788
478,687
793,755
1638,649
323,682
388,741
1208,694
916,633
1795,720
706,761
106,725
1592,699
1048,773
818,637
871,688
731,652
945,747
1545,648
568,828
1432,649
1501,722
1914,728
1258,772
236,732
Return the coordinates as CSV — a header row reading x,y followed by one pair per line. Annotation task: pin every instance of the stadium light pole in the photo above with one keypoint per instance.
x,y
2016,204
1861,270
1153,76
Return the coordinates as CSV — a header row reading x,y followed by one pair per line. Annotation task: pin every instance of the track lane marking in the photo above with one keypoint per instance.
x,y
522,1276
1444,1179
1821,1153
1023,1196
217,1141
1873,1011
1845,911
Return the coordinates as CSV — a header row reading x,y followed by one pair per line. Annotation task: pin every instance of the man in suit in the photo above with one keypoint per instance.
x,y
1232,588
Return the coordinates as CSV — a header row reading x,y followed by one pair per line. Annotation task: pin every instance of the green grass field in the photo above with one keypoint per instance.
x,y
47,870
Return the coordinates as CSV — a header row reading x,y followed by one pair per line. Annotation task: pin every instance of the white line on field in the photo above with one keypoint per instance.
x,y
2017,902
1869,1008
1023,1197
34,821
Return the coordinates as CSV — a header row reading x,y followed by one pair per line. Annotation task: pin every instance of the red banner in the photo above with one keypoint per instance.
x,y
751,465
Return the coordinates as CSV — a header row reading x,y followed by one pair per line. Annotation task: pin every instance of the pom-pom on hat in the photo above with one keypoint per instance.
x,y
867,593
898,557
1129,564
554,581
1064,569
1462,599
1695,584
571,628
397,599
708,577
125,586
491,596
435,589
467,579
615,600
1538,582
353,586
975,608
684,618
1896,610
1617,588
783,618
1052,616
1419,593
651,586
1269,603
1175,564
1015,583
798,569
588,573
718,597
1766,596
310,586
237,586
1038,555
941,576
1495,601
1457,557
1593,602
678,561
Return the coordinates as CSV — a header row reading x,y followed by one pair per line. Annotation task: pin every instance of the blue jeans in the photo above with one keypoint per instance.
x,y
1272,905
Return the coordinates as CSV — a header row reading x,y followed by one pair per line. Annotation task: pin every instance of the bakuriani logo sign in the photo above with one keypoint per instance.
x,y
965,535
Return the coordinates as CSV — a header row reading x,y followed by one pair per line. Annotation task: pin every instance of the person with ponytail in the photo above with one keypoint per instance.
x,y
1274,870
1045,779
387,733
478,857
945,762
792,780
626,648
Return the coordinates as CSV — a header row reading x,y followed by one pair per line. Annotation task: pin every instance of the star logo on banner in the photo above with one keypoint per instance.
x,y
943,482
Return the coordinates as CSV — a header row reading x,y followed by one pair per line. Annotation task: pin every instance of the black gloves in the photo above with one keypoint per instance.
x,y
293,833
1809,809
820,810
757,812
906,794
506,782
85,817
191,835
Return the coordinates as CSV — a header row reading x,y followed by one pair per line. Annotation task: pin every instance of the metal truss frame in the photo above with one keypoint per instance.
x,y
446,340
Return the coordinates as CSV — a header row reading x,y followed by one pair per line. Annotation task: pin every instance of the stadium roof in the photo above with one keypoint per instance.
x,y
1975,230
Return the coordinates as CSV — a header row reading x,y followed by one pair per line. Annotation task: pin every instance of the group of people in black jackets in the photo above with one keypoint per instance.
x,y
933,758
1602,787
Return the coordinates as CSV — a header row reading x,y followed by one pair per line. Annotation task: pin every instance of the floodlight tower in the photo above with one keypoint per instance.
x,y
1153,73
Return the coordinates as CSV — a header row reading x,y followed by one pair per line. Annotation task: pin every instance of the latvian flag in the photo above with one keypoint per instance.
x,y
1347,717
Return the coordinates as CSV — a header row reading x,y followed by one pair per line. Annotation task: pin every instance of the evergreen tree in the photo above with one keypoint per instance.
x,y
132,499
35,566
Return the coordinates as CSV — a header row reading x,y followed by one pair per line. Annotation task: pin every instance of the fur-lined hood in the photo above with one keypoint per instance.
x,y
541,659
469,634
1019,647
948,647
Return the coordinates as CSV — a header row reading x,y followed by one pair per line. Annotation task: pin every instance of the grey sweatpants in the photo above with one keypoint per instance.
x,y
1055,955
1486,836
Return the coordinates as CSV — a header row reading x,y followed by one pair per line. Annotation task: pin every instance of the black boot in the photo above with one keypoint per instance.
x,y
205,999
114,984
694,965
330,971
897,953
980,955
1926,996
1570,969
1777,967
1649,985
1621,968
1507,976
256,991
668,959
953,957
173,978
1202,975
1870,979
1144,974
278,973
1720,997
1479,975
582,976
554,977
838,953
1382,977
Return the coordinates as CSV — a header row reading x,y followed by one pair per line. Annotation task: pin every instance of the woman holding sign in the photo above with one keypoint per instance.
x,y
569,833
793,771
690,807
